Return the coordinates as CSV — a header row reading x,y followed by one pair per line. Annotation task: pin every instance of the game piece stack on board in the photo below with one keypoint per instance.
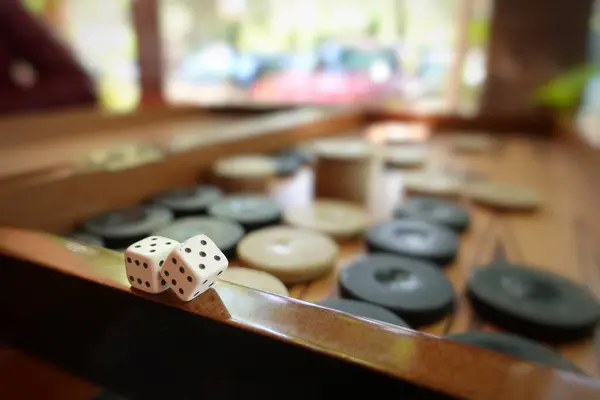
x,y
399,274
407,156
290,161
344,169
250,173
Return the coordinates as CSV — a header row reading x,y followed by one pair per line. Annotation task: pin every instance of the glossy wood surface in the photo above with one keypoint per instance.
x,y
449,367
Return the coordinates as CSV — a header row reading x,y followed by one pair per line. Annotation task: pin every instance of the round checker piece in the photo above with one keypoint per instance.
x,y
503,196
413,238
432,184
336,218
365,310
120,228
305,154
399,132
414,290
291,160
533,303
255,279
521,348
344,148
405,156
86,238
252,212
435,211
291,254
188,201
287,164
245,166
226,234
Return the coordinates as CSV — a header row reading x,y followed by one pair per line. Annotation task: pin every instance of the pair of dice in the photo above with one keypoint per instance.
x,y
156,263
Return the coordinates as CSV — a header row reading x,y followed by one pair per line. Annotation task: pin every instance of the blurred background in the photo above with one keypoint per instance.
x,y
284,51
428,54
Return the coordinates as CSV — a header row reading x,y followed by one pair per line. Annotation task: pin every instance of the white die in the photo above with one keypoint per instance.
x,y
193,267
144,260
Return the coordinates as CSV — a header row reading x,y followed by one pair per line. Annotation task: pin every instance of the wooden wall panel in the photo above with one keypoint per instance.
x,y
146,22
531,42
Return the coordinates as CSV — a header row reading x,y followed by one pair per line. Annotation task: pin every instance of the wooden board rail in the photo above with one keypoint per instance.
x,y
540,124
88,277
27,127
190,149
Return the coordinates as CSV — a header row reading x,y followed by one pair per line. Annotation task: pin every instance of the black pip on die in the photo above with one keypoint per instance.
x,y
144,260
193,267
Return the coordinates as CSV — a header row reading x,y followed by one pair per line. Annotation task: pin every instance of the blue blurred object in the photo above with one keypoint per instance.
x,y
302,62
591,94
331,55
432,70
247,69
251,67
220,62
336,57
213,63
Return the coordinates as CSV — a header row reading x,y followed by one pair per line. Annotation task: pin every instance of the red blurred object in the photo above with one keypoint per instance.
x,y
60,81
316,87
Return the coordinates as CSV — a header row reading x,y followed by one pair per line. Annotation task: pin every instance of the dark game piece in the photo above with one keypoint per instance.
x,y
532,302
413,238
226,234
415,290
121,228
435,211
188,201
251,211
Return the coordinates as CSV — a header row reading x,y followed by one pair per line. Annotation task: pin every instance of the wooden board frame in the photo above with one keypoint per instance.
x,y
64,188
93,289
96,322
27,127
540,124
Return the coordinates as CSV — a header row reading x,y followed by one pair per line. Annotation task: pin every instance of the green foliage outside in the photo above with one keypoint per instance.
x,y
35,6
116,95
563,93
478,32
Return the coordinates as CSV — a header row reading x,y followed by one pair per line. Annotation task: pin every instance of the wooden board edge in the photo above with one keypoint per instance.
x,y
539,125
83,121
70,197
431,362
